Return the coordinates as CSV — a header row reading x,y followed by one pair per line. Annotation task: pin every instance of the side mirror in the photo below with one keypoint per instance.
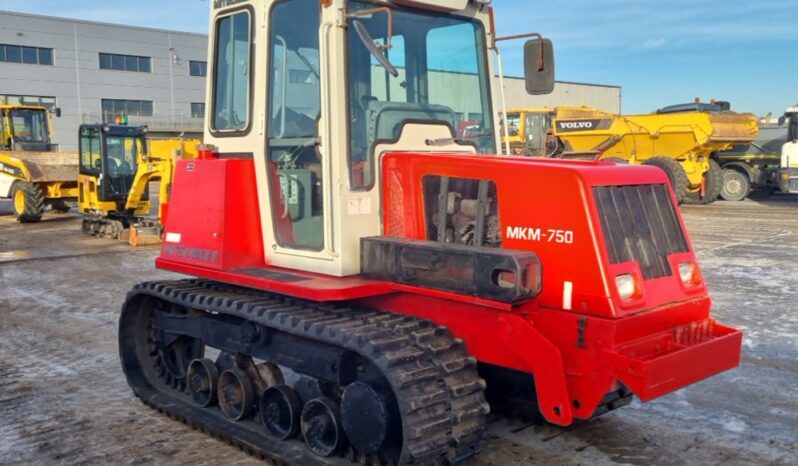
x,y
539,66
792,130
58,112
782,120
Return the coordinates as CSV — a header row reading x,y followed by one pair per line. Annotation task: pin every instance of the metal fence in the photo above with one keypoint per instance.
x,y
159,122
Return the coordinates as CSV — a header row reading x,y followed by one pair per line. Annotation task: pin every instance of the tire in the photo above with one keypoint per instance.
x,y
736,185
675,172
713,185
27,201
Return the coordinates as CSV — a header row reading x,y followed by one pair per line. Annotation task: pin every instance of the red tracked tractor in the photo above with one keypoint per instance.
x,y
367,279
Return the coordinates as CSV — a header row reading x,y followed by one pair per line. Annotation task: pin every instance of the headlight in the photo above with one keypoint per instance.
x,y
626,285
688,273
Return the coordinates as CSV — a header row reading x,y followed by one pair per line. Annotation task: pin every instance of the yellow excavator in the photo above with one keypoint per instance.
x,y
117,164
32,173
679,139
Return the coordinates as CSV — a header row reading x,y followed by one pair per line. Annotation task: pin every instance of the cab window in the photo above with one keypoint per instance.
x,y
232,75
90,160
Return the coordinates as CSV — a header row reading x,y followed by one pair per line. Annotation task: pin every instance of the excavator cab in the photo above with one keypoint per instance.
x,y
109,157
25,128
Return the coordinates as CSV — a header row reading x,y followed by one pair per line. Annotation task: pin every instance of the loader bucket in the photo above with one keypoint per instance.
x,y
144,235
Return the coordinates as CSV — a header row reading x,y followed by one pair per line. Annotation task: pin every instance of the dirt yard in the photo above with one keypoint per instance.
x,y
63,398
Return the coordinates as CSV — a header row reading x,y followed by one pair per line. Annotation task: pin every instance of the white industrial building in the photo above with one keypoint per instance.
x,y
97,71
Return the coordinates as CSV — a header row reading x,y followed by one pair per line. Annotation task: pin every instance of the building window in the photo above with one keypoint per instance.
x,y
45,101
113,108
197,68
197,109
300,77
110,61
27,55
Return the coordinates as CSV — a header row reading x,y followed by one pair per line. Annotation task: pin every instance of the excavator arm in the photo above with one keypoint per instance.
x,y
149,170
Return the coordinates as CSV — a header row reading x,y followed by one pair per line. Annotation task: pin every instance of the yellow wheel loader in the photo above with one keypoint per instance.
x,y
117,164
680,140
32,174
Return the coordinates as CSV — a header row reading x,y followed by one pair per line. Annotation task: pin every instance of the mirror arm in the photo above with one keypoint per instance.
x,y
381,9
541,62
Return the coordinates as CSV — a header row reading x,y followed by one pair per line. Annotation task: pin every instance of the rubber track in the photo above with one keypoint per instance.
x,y
434,380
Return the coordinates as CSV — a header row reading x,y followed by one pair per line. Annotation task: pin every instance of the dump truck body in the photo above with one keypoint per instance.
x,y
48,178
32,173
687,137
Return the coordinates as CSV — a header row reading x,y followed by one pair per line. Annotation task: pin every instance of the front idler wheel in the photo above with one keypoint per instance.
x,y
280,412
321,427
236,396
203,381
367,417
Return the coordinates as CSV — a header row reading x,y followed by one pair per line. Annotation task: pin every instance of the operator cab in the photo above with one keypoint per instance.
x,y
109,157
333,86
26,128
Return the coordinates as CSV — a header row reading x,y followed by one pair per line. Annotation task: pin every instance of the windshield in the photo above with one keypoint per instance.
x,y
122,156
29,125
443,77
513,122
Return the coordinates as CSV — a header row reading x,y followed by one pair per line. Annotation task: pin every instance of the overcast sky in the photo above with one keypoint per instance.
x,y
660,52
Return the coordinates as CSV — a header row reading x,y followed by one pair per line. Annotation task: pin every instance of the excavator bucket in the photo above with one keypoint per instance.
x,y
144,235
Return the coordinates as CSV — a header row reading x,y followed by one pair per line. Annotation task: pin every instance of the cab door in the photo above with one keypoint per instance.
x,y
294,160
90,169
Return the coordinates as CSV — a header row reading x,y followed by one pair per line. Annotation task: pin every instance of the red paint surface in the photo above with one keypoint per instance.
x,y
660,342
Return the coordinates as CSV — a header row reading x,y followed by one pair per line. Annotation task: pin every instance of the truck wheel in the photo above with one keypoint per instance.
x,y
713,185
736,185
675,172
28,202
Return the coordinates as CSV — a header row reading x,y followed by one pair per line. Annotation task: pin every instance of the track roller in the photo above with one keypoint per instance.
x,y
321,427
236,395
280,411
203,380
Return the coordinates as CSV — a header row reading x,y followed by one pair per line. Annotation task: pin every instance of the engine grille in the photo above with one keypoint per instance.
x,y
640,224
461,211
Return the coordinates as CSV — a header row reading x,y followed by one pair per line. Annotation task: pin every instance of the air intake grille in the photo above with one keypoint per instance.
x,y
461,211
640,224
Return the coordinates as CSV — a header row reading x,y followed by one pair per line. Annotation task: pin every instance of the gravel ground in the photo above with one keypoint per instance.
x,y
63,398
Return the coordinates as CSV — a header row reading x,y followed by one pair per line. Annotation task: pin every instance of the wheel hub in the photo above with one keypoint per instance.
x,y
19,202
734,187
